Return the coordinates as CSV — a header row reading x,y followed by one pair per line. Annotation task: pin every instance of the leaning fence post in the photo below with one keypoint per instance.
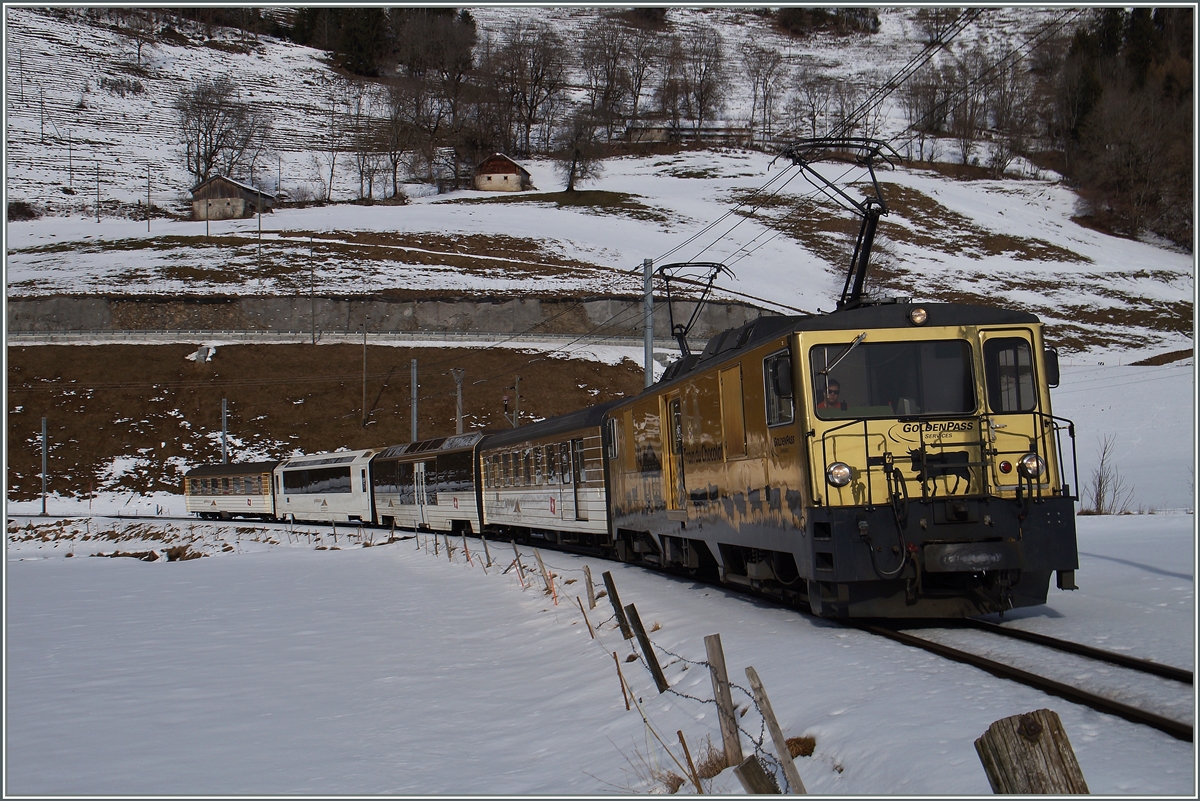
x,y
755,780
647,649
720,683
542,567
587,574
1030,754
591,631
486,552
616,604
785,755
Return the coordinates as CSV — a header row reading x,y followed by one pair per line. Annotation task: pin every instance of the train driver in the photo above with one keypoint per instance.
x,y
832,399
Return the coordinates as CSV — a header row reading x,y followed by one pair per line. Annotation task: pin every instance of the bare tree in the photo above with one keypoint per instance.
x,y
603,56
967,106
578,155
704,73
764,68
533,63
809,102
221,133
644,52
1107,492
935,23
364,139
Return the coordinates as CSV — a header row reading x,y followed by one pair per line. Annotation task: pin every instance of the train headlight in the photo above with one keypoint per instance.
x,y
839,474
1031,465
918,316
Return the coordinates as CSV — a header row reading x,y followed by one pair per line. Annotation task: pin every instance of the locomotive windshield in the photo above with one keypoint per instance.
x,y
892,379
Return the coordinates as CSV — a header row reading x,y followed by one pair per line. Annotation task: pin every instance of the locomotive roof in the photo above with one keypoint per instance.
x,y
235,469
590,417
883,315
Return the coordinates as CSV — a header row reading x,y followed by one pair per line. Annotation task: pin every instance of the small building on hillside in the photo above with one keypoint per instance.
x,y
499,173
221,198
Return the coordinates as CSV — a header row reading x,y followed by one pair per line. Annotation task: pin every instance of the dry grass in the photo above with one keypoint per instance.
x,y
801,746
620,204
149,404
710,760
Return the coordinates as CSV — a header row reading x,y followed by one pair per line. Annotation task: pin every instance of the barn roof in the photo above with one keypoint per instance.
x,y
251,189
492,162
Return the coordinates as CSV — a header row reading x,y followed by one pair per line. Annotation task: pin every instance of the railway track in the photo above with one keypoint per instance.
x,y
1101,703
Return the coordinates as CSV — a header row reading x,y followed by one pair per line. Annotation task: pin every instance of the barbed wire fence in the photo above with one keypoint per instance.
x,y
526,566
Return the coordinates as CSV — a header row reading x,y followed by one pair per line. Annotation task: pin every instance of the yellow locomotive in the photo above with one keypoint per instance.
x,y
892,459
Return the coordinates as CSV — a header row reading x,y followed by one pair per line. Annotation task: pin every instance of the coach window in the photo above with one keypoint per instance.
x,y
1008,365
537,466
777,373
550,459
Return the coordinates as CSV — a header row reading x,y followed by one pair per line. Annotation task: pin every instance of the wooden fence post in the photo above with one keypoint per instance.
x,y
624,694
487,554
647,649
1030,754
542,567
587,574
781,748
591,631
691,765
616,604
720,682
755,780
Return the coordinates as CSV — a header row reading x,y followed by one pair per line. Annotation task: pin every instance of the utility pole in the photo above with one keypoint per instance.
x,y
97,191
364,403
147,198
648,320
70,162
458,374
515,419
224,432
414,400
44,466
312,289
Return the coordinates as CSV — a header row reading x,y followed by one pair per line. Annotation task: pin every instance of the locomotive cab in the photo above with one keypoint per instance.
x,y
935,473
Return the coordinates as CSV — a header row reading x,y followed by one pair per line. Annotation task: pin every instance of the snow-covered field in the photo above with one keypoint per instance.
x,y
279,669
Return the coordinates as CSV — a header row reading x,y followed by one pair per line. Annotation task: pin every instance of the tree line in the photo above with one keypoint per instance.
x,y
422,94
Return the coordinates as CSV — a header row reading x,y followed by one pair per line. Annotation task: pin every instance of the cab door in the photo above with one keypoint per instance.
x,y
1015,424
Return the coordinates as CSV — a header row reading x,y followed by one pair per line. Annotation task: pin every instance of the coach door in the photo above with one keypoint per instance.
x,y
419,493
578,474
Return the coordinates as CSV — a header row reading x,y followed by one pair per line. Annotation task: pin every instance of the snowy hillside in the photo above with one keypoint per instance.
x,y
1012,241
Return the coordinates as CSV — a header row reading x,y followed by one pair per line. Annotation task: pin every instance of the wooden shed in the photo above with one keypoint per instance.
x,y
221,198
499,173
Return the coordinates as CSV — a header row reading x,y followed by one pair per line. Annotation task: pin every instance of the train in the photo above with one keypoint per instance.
x,y
891,460
888,459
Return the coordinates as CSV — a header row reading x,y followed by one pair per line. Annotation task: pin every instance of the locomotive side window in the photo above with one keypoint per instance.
x,y
777,373
892,379
1008,367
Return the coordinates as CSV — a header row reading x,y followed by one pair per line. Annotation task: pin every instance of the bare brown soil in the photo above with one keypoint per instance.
x,y
149,403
